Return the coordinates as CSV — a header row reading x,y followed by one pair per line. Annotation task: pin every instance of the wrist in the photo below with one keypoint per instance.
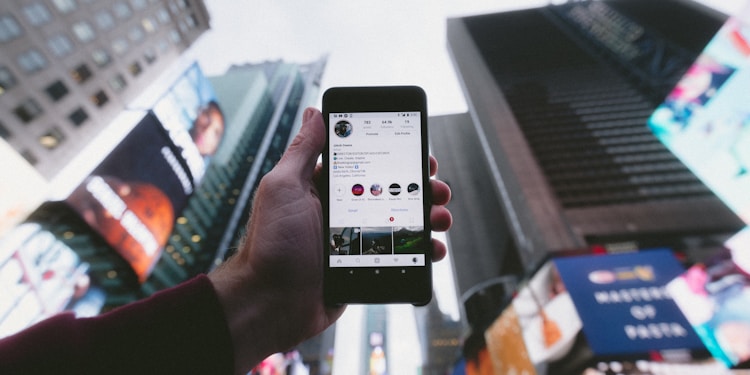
x,y
244,311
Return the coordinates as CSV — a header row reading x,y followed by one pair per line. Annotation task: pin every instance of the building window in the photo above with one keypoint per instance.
x,y
136,34
162,46
29,157
78,117
9,28
60,45
7,80
4,132
57,90
120,46
149,24
138,4
122,11
52,139
135,69
175,37
83,31
28,111
81,73
101,57
149,56
118,83
32,61
99,98
104,20
37,14
191,22
65,6
163,15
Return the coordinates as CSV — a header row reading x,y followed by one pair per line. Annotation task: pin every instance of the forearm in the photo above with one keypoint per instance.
x,y
250,326
178,330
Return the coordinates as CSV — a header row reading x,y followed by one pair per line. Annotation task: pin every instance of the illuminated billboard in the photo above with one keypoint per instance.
x,y
134,195
714,295
39,277
578,312
188,110
705,120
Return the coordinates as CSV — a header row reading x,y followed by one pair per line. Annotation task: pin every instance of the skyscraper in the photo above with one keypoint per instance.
x,y
559,97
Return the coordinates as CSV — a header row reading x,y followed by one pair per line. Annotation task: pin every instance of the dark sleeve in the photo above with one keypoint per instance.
x,y
179,330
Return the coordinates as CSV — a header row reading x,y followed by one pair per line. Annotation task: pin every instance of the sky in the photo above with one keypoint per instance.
x,y
367,42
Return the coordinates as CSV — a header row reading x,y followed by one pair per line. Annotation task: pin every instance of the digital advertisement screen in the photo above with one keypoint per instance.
x,y
40,276
593,309
705,120
134,195
714,295
190,113
630,290
376,208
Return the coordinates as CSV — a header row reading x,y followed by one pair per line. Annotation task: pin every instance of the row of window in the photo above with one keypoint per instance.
x,y
33,60
37,14
58,90
30,109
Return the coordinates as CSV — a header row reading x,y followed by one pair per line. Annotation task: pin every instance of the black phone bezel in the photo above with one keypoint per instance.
x,y
391,284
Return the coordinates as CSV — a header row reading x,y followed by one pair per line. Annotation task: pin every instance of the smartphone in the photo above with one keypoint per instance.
x,y
376,199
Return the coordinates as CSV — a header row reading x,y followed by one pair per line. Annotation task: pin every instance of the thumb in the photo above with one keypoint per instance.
x,y
302,155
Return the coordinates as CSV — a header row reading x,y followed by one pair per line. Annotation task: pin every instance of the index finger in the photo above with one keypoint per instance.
x,y
303,152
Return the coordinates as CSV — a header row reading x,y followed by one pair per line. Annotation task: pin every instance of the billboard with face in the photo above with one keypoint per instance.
x,y
134,195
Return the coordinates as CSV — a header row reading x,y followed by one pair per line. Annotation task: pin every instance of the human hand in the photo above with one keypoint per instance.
x,y
271,290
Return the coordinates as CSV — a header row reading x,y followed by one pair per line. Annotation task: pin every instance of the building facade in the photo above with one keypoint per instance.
x,y
560,97
69,67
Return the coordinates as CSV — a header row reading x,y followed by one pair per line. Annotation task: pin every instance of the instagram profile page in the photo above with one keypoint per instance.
x,y
376,193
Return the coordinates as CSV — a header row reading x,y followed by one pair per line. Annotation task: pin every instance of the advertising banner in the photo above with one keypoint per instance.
x,y
134,195
40,276
578,311
705,120
714,295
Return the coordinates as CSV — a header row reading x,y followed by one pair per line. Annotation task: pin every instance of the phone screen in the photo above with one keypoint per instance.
x,y
376,197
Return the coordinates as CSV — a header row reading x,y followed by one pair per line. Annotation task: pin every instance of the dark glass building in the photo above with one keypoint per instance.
x,y
559,97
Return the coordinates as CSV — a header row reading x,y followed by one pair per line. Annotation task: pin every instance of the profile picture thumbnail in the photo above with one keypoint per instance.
x,y
343,128
376,189
413,189
394,189
358,189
